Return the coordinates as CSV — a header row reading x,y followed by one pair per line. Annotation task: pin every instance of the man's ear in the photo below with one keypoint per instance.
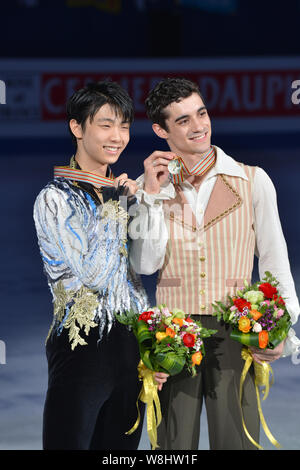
x,y
162,133
76,128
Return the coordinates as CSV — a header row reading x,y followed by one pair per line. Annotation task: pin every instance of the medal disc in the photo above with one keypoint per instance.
x,y
174,167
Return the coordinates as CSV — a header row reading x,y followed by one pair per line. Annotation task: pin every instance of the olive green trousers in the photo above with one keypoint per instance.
x,y
217,382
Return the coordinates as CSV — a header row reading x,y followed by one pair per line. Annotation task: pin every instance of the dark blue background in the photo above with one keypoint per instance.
x,y
53,30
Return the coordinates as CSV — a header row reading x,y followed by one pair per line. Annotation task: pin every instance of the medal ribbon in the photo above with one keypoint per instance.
x,y
199,169
84,176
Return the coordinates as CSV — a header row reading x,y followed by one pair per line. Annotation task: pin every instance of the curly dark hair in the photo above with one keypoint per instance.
x,y
168,91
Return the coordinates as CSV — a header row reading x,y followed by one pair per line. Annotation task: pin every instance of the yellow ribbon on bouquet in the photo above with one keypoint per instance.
x,y
262,379
149,396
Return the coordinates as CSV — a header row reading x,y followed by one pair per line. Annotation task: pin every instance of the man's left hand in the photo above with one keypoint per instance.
x,y
267,355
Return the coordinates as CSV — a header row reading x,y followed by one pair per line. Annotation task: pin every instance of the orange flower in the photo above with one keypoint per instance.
x,y
263,339
244,324
170,332
178,321
255,314
197,358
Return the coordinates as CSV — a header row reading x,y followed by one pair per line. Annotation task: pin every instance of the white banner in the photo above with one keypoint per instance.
x,y
242,95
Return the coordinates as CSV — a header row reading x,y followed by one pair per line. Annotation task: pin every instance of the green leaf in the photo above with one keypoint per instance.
x,y
205,333
277,335
171,362
249,339
145,356
142,333
127,318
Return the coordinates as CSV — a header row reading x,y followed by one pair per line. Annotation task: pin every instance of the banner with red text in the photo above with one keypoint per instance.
x,y
242,95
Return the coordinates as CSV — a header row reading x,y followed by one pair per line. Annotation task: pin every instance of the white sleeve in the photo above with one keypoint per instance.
x,y
271,249
148,230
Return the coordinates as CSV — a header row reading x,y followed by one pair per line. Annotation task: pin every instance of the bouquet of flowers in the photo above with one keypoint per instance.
x,y
168,342
257,314
259,318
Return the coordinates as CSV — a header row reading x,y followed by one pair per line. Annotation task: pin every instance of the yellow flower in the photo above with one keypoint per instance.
x,y
244,324
160,335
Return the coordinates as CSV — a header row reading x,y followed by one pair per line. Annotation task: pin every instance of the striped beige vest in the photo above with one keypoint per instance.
x,y
205,264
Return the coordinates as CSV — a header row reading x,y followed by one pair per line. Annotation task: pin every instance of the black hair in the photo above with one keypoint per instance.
x,y
86,102
168,91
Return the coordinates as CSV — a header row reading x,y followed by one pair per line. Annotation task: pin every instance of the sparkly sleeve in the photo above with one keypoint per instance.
x,y
67,233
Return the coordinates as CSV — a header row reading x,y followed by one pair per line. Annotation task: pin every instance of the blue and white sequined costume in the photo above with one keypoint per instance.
x,y
84,251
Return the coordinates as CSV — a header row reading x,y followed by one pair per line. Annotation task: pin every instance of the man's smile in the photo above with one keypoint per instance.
x,y
111,149
198,137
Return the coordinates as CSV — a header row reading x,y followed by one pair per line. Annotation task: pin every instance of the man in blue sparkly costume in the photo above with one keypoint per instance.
x,y
81,221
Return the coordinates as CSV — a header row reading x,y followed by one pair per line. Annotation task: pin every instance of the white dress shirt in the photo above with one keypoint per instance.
x,y
150,234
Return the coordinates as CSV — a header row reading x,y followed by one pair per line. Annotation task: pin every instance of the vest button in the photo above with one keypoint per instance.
x,y
202,258
202,291
202,274
202,307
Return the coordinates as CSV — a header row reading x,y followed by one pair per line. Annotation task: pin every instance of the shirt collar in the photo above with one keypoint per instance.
x,y
224,165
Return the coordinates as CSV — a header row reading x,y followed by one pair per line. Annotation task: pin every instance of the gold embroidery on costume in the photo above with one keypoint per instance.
x,y
62,298
81,312
73,165
114,211
72,162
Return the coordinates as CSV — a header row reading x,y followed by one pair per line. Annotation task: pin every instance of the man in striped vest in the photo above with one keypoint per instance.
x,y
200,229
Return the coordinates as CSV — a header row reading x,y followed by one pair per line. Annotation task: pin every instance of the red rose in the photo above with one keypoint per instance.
x,y
145,316
268,290
278,299
241,304
189,340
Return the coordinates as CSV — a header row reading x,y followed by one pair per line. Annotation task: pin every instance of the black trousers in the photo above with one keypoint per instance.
x,y
92,392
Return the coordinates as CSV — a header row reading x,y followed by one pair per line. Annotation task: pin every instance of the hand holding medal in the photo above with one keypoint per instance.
x,y
156,170
161,166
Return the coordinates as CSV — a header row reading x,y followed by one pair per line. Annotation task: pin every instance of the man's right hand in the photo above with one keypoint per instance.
x,y
124,180
160,378
156,170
